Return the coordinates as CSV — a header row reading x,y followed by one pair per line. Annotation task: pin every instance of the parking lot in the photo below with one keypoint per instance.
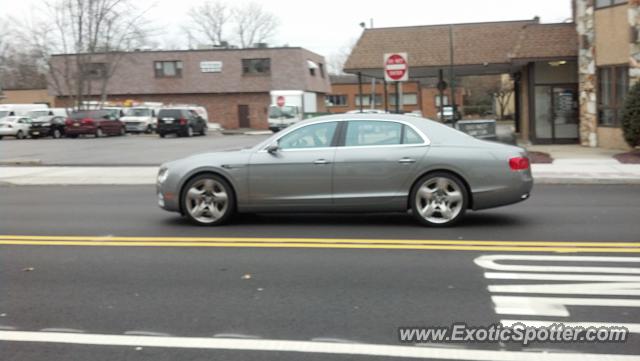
x,y
143,149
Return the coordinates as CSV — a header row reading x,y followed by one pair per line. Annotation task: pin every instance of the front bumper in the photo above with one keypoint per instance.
x,y
136,126
40,132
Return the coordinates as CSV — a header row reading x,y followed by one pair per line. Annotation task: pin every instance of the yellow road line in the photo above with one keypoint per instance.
x,y
325,245
251,240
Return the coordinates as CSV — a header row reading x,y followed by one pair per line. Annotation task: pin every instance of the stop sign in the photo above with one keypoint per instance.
x,y
280,101
396,67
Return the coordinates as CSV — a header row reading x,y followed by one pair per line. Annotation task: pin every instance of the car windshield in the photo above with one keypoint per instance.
x,y
282,112
4,113
137,112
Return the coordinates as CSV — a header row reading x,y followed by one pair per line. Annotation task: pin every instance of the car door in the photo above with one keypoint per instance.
x,y
376,163
296,175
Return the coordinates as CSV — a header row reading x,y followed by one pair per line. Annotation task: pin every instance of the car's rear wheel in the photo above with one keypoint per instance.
x,y
99,133
439,199
123,131
208,200
20,135
56,134
189,132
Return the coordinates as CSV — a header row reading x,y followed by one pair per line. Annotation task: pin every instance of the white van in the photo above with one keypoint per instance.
x,y
10,110
47,112
140,119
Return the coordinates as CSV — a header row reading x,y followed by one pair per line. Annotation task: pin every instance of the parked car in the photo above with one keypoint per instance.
x,y
15,126
350,163
140,119
183,122
47,126
93,122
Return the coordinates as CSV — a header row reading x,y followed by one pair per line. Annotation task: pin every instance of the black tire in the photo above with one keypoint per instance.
x,y
20,135
99,133
123,131
0,137
162,135
437,218
56,134
74,136
231,200
149,130
188,132
203,131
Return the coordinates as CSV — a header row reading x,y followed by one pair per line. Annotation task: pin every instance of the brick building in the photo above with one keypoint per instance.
x,y
232,84
420,96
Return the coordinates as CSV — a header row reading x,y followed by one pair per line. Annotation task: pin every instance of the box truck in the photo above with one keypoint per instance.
x,y
289,107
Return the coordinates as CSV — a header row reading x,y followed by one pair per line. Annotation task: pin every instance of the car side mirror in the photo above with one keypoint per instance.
x,y
273,148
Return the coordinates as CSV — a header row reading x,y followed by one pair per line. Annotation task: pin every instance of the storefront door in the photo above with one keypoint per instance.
x,y
556,114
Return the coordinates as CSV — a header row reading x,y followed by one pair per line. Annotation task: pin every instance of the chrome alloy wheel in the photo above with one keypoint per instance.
x,y
207,201
439,200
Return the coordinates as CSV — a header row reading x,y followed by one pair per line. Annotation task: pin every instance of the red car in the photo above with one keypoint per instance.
x,y
94,122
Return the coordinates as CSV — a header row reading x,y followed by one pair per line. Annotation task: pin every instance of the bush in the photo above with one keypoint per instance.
x,y
631,116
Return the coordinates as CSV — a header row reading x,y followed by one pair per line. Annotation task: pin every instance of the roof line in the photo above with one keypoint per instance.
x,y
525,22
189,50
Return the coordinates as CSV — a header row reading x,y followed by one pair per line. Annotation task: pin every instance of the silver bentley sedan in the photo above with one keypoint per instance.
x,y
350,163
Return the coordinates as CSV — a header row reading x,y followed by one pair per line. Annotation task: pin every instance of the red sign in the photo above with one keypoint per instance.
x,y
396,67
280,101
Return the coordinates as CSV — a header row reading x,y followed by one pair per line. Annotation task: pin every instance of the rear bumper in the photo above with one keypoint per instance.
x,y
137,127
517,190
165,129
40,132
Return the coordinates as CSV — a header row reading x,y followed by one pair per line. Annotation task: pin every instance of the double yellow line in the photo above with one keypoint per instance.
x,y
453,245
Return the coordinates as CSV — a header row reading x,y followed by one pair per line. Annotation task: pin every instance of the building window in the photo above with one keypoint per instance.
x,y
336,100
407,99
168,69
256,66
94,70
445,100
606,3
613,84
321,67
366,100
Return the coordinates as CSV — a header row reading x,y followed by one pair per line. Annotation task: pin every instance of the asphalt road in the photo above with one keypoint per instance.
x,y
143,149
326,295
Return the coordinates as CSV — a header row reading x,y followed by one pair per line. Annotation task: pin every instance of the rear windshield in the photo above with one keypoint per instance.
x,y
170,113
89,114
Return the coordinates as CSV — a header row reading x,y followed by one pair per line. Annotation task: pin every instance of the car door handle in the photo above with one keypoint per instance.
x,y
406,161
320,161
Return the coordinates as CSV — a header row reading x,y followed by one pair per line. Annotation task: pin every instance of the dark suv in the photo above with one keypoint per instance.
x,y
181,121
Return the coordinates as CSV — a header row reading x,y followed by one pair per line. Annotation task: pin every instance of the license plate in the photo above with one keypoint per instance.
x,y
35,133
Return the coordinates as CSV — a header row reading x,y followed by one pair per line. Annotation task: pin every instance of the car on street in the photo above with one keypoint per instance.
x,y
47,126
350,163
15,126
93,122
184,122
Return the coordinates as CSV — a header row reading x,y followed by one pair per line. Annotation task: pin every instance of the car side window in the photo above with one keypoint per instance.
x,y
368,133
311,136
411,136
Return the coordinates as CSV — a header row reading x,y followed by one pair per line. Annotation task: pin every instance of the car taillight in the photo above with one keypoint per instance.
x,y
87,121
183,121
519,163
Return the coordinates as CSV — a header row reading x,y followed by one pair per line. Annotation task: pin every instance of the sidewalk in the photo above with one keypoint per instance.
x,y
568,171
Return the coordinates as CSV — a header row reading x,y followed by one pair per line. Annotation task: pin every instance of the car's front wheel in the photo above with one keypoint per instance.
x,y
439,199
20,135
57,134
208,200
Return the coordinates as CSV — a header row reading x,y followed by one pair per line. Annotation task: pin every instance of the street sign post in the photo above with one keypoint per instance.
x,y
396,67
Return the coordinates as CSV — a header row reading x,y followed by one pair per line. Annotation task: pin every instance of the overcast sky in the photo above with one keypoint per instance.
x,y
325,26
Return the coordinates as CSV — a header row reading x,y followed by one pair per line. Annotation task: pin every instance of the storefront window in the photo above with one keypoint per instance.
x,y
613,84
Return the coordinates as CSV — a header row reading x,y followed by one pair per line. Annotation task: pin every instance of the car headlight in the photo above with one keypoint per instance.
x,y
163,174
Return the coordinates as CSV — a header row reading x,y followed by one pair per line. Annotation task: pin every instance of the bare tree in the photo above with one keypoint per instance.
x,y
253,24
337,59
209,22
92,35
